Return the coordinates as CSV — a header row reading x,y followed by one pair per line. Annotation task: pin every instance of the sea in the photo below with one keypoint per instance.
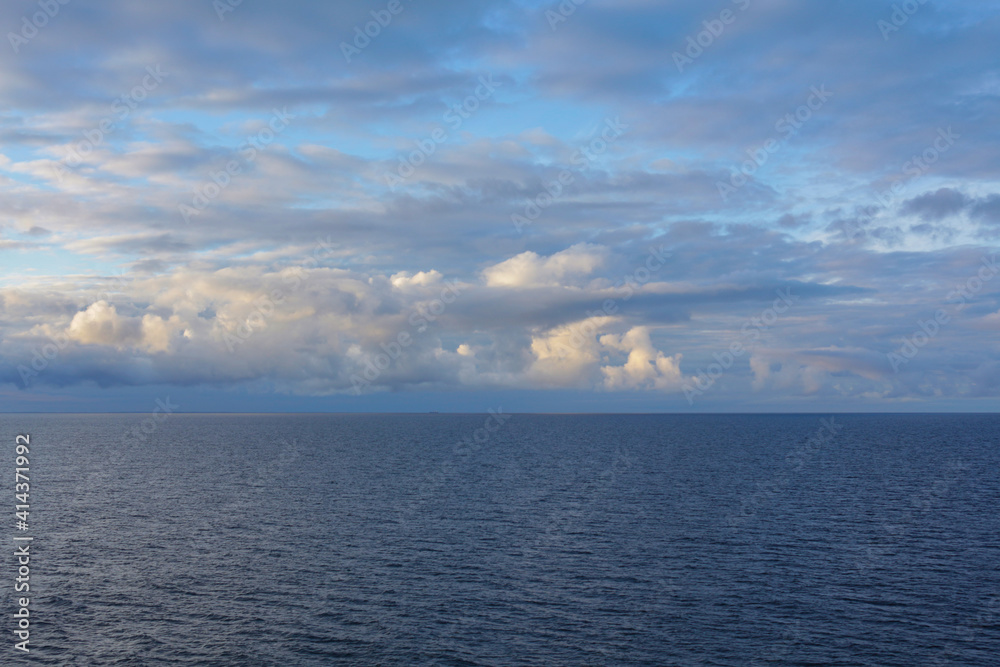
x,y
498,539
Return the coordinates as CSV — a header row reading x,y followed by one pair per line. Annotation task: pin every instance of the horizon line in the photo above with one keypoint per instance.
x,y
436,412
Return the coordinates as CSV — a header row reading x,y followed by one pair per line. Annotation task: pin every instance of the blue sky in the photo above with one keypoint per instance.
x,y
748,205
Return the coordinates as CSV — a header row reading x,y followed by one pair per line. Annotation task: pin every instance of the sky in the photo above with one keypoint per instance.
x,y
576,206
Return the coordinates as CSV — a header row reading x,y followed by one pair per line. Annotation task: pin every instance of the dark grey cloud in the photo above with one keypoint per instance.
x,y
987,209
935,206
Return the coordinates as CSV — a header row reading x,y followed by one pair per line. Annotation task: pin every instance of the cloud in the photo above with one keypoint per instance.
x,y
646,368
530,270
936,205
987,209
812,370
100,324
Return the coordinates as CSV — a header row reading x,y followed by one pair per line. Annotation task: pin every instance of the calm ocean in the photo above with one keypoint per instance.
x,y
520,540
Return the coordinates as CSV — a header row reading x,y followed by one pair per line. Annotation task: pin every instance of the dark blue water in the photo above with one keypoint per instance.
x,y
556,540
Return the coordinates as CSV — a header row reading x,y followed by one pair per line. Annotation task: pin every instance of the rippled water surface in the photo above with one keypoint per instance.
x,y
545,540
